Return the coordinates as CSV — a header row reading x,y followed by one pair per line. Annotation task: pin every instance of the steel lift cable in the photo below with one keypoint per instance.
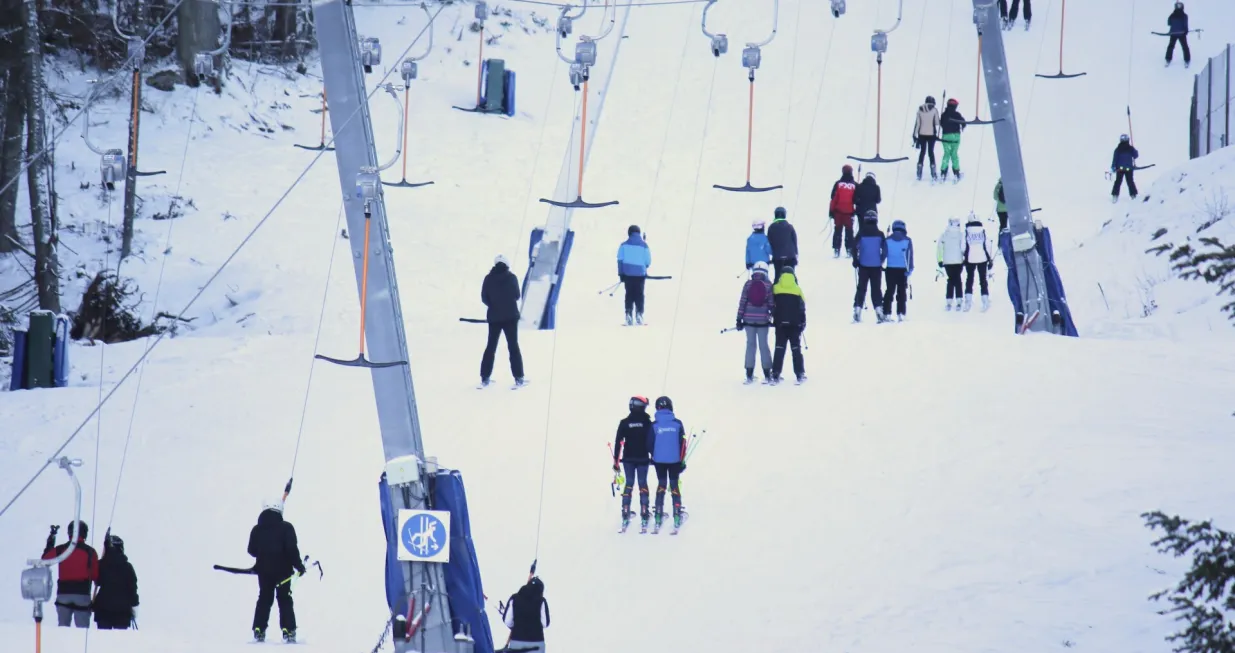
x,y
540,146
752,56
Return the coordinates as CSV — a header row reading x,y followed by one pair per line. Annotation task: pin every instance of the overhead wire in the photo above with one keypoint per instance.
x,y
793,69
913,77
810,133
664,141
540,146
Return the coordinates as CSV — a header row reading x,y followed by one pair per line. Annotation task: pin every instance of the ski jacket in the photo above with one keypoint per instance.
x,y
1125,157
527,613
951,247
1000,206
758,249
842,207
273,542
790,310
871,248
952,122
500,292
866,197
927,122
976,250
77,572
669,438
752,311
1177,22
634,438
633,257
117,594
900,248
783,238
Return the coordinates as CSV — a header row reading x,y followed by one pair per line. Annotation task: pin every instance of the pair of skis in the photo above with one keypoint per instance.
x,y
643,527
516,386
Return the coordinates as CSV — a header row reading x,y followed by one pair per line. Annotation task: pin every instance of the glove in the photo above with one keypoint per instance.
x,y
303,571
740,324
134,612
682,469
941,265
990,265
55,528
915,141
615,464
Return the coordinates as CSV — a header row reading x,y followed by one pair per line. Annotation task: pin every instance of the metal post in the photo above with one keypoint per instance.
x,y
130,176
1226,132
392,386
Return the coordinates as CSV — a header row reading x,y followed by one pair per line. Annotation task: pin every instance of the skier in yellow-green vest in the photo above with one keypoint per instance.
x,y
952,123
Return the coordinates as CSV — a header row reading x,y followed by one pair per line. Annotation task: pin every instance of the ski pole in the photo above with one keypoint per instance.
x,y
610,288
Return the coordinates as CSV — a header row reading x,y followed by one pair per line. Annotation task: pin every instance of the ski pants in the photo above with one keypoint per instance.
x,y
872,277
969,270
757,335
782,262
634,470
898,284
1120,175
951,148
269,589
1003,219
1011,15
634,294
667,477
73,609
791,336
843,229
926,144
113,620
1182,40
496,329
953,271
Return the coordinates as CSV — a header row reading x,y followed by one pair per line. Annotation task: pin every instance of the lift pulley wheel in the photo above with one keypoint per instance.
x,y
408,70
203,64
482,11
751,57
367,183
565,26
720,45
370,53
838,8
585,52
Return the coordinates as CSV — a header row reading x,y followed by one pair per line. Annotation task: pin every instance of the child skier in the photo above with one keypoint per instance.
x,y
668,448
115,604
977,258
790,317
870,250
900,267
842,209
527,617
1123,166
925,133
952,124
1177,24
1001,209
867,197
755,310
634,445
633,259
758,250
950,253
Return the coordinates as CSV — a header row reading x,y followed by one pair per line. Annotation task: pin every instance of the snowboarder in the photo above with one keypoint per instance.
x,y
952,124
977,258
634,445
758,250
1001,208
950,253
273,542
76,574
867,197
500,292
527,617
633,259
784,240
668,449
1123,166
115,604
900,268
842,209
789,315
870,250
925,133
755,309
1009,17
1177,24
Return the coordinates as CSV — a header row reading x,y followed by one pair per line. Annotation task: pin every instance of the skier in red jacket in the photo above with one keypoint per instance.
x,y
77,573
841,210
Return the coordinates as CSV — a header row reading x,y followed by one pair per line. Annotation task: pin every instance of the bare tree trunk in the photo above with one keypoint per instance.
x,y
46,265
198,22
14,127
284,30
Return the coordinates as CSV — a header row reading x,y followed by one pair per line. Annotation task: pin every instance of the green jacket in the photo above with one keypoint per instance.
x,y
999,205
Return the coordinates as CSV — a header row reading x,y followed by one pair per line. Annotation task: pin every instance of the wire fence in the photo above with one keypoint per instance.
x,y
1212,97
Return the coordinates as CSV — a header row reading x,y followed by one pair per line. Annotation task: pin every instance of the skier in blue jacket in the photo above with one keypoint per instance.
x,y
900,266
1123,165
1177,27
870,250
758,249
633,260
668,451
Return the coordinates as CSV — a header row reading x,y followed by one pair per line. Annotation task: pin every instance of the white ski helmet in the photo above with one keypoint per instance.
x,y
501,258
757,224
273,504
761,267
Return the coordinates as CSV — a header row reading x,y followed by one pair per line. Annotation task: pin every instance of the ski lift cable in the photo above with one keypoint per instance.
x,y
913,78
810,133
206,285
793,69
673,103
98,433
540,146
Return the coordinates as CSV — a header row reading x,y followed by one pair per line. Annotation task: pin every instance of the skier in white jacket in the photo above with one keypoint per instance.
x,y
950,252
977,257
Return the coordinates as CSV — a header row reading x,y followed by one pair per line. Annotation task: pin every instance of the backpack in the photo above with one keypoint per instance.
x,y
757,295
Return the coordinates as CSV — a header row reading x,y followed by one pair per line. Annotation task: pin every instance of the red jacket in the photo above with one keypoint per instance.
x,y
78,571
842,209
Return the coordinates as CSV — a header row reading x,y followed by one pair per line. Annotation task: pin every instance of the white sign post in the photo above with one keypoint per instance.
x,y
424,536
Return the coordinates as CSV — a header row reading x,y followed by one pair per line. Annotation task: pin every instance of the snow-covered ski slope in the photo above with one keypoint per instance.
x,y
939,484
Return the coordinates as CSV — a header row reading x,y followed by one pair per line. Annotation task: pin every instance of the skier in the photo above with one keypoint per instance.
x,y
500,292
870,250
900,268
1001,209
634,445
273,542
867,197
977,258
668,448
755,310
790,317
633,259
784,241
758,250
1177,23
76,574
842,209
950,253
925,133
952,124
115,604
1009,17
527,617
1123,166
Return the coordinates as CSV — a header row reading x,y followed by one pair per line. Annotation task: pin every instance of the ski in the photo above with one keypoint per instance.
x,y
678,526
520,384
1029,322
484,384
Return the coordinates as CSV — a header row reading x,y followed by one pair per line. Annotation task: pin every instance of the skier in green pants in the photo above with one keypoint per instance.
x,y
952,123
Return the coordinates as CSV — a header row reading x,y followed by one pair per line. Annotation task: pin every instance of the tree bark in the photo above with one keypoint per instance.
x,y
198,24
13,106
46,263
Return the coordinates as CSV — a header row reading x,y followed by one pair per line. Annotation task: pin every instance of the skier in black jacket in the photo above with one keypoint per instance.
x,y
784,240
273,542
634,446
867,197
115,604
527,617
500,292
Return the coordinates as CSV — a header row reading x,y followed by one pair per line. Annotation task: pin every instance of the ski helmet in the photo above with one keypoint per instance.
x,y
870,176
954,222
632,229
114,542
788,269
846,169
779,213
952,102
761,267
930,100
501,258
871,215
638,402
757,225
1179,5
664,403
899,225
1123,138
273,504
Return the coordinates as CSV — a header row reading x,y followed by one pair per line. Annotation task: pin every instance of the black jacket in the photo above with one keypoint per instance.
x,y
784,240
527,613
952,121
790,311
117,583
273,542
867,197
635,431
500,292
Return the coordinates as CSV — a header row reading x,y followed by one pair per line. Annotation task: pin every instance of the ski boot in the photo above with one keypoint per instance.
x,y
639,319
836,253
968,303
801,379
1187,64
900,317
625,521
519,383
986,303
750,375
643,522
1026,24
767,376
958,305
658,520
956,176
934,175
484,383
880,316
1114,199
857,314
289,636
919,172
948,305
677,521
259,634
630,319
